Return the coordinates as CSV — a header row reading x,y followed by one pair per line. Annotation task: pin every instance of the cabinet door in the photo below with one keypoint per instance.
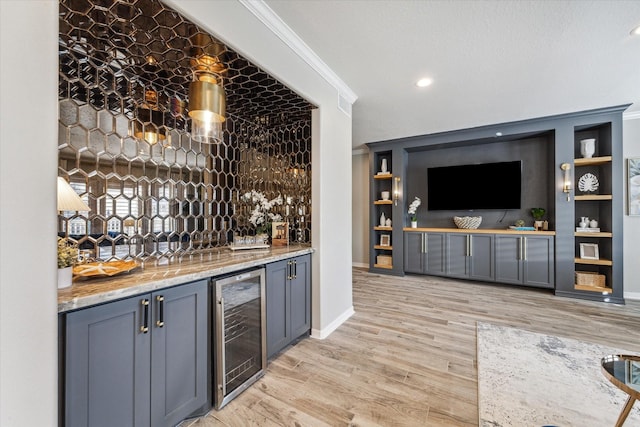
x,y
300,301
481,259
509,266
179,371
539,261
434,258
107,366
413,252
457,254
277,296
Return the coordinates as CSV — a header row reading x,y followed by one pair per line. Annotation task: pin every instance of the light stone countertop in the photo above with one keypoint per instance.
x,y
149,277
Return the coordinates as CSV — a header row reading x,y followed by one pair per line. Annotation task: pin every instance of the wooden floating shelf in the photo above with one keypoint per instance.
x,y
593,289
607,262
383,202
385,176
384,248
594,197
386,267
378,228
591,234
594,161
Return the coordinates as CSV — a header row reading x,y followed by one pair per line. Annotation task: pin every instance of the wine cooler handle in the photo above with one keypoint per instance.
x,y
295,269
289,270
160,321
145,316
220,330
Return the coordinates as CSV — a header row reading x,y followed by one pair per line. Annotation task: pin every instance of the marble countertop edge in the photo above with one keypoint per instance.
x,y
88,292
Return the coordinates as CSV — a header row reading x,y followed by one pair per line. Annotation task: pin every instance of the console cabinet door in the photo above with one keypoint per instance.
x,y
413,247
509,265
481,259
539,262
277,306
434,258
179,352
107,366
300,296
457,254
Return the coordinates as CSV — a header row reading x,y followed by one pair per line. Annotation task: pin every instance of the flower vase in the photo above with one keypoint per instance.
x,y
414,224
65,276
587,147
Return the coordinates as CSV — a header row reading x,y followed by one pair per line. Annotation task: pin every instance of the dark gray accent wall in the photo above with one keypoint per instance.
x,y
537,184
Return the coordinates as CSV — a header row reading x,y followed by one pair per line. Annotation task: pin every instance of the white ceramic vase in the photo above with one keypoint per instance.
x,y
587,147
65,276
593,223
383,220
383,167
414,224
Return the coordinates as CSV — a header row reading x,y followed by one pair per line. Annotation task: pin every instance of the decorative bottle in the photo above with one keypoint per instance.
x,y
383,220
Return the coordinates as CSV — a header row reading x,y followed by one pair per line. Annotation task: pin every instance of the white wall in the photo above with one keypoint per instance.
x,y
360,202
28,313
28,269
631,275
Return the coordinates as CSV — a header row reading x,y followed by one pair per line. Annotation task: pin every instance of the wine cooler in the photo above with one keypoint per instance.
x,y
240,356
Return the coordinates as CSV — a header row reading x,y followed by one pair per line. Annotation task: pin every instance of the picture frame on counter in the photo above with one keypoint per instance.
x,y
385,240
280,234
589,251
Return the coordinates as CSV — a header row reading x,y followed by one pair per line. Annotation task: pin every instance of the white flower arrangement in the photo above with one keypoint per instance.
x,y
413,208
261,216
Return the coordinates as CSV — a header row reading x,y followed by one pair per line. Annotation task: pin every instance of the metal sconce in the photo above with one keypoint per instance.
x,y
207,100
566,186
396,190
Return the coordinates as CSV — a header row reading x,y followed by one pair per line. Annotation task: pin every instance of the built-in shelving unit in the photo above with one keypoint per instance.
x,y
382,182
544,145
596,203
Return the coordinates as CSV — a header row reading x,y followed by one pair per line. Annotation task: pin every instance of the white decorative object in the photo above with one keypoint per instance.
x,y
584,222
388,222
587,147
65,276
383,220
385,195
588,182
414,224
469,222
593,224
383,166
413,209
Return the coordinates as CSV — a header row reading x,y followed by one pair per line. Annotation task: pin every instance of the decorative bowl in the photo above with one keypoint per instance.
x,y
470,222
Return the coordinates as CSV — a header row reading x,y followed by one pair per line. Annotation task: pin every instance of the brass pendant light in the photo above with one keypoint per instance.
x,y
207,100
149,123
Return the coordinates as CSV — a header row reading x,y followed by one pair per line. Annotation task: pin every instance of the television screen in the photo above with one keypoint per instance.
x,y
470,187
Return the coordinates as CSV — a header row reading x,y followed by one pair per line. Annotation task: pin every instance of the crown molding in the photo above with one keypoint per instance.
x,y
631,115
278,27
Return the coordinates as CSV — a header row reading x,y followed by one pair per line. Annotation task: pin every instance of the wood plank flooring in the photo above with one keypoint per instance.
x,y
407,357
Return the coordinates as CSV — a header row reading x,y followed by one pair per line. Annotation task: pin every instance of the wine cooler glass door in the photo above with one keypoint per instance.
x,y
239,334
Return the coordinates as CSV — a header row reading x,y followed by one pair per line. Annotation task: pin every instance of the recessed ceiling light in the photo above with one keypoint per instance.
x,y
635,31
424,82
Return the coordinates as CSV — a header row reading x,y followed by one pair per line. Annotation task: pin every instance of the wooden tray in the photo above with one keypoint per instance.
x,y
92,269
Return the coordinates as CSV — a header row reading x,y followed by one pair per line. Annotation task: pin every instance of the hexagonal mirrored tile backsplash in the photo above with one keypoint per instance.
x,y
125,146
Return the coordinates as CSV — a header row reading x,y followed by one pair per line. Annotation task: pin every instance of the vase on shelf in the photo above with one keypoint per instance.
x,y
593,223
388,222
383,220
584,222
414,224
383,166
587,147
65,277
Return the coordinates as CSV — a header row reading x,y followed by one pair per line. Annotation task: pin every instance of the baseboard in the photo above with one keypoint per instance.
x,y
632,295
360,264
322,334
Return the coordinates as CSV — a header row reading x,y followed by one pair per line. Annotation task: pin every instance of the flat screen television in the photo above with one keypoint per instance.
x,y
472,187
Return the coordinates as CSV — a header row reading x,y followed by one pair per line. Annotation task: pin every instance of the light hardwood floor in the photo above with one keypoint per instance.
x,y
407,357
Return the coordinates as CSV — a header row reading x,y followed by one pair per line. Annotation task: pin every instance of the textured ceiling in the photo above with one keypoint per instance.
x,y
491,61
